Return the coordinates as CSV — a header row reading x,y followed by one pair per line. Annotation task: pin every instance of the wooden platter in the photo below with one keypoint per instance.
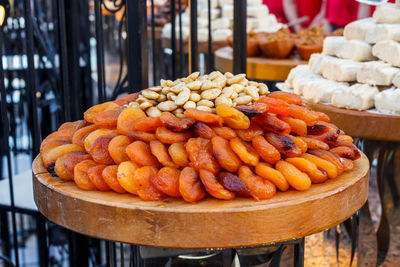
x,y
259,68
202,45
362,124
208,224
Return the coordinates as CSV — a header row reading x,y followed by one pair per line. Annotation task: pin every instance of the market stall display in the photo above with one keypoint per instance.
x,y
358,71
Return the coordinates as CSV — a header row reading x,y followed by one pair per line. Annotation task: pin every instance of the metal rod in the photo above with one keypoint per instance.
x,y
193,46
239,36
99,52
299,253
173,38
181,52
210,54
153,43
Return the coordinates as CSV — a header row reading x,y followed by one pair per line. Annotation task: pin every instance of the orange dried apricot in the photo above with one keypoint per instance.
x,y
299,142
344,152
259,187
125,173
168,137
58,135
142,136
45,147
92,137
99,150
145,188
232,117
253,109
275,106
313,143
117,147
296,178
108,118
91,114
80,135
203,116
202,130
225,155
322,116
49,158
245,151
224,132
139,152
72,127
345,138
126,99
127,119
266,151
213,187
178,154
190,186
283,144
159,150
167,181
317,175
328,137
171,122
323,164
318,129
81,177
110,177
248,134
266,171
329,156
148,124
272,123
201,155
297,126
287,97
234,184
302,113
96,177
67,172
348,164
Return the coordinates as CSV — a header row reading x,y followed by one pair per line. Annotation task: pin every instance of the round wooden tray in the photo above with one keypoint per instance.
x,y
362,124
210,223
259,68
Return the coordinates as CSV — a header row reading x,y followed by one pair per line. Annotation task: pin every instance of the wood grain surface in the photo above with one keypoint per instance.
x,y
259,68
210,223
362,124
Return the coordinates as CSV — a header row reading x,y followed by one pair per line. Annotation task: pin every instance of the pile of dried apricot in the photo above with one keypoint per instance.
x,y
242,151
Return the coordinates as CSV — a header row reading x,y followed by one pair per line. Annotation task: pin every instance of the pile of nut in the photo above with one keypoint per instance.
x,y
200,92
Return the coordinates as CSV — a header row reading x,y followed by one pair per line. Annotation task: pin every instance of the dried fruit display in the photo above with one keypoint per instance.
x,y
246,150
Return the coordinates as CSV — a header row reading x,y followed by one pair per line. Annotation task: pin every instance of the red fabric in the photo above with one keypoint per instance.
x,y
276,7
341,12
309,8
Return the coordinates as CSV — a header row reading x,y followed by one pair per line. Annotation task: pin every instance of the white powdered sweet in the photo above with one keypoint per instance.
x,y
357,30
357,96
396,80
387,13
332,45
355,50
340,70
388,101
298,70
383,32
321,90
388,51
377,73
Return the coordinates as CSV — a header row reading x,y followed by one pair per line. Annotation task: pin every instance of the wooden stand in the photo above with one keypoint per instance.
x,y
362,124
210,223
259,68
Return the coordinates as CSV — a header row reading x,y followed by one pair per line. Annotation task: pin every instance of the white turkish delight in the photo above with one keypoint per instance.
x,y
388,51
387,13
383,32
388,101
355,50
332,45
357,30
340,70
357,96
377,73
321,90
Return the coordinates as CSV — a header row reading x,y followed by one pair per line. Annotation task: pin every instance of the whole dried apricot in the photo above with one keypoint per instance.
x,y
213,187
168,137
117,147
244,151
275,106
110,177
225,155
108,118
266,171
249,134
91,114
260,188
167,181
232,117
81,177
287,97
203,116
171,122
323,164
49,158
190,186
296,178
92,137
202,130
297,126
178,154
64,166
302,113
201,155
266,151
145,188
272,123
127,119
147,124
125,173
99,150
234,184
313,143
80,135
253,110
283,144
317,175
329,156
159,150
139,152
96,177
224,132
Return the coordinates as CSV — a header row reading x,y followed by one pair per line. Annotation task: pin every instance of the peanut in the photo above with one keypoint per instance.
x,y
149,94
167,106
236,79
153,112
204,108
195,97
189,104
206,103
253,92
183,96
211,94
242,100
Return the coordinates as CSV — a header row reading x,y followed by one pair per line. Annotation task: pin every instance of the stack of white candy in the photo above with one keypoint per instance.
x,y
258,20
355,71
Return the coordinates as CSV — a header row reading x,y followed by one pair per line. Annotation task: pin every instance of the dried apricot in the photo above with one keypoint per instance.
x,y
323,164
190,186
142,136
96,177
145,188
58,135
127,119
249,134
314,143
299,142
340,143
318,129
49,158
259,187
117,147
148,124
45,147
80,135
91,114
287,97
108,118
266,171
322,116
72,127
201,155
253,110
232,117
348,164
168,137
126,99
245,152
159,150
67,172
92,137
225,132
266,151
329,156
171,122
296,178
110,177
125,173
139,152
99,150
302,113
167,181
297,126
345,152
81,177
275,106
283,144
203,116
345,138
272,123
213,187
234,184
225,155
328,137
178,154
202,130
317,175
